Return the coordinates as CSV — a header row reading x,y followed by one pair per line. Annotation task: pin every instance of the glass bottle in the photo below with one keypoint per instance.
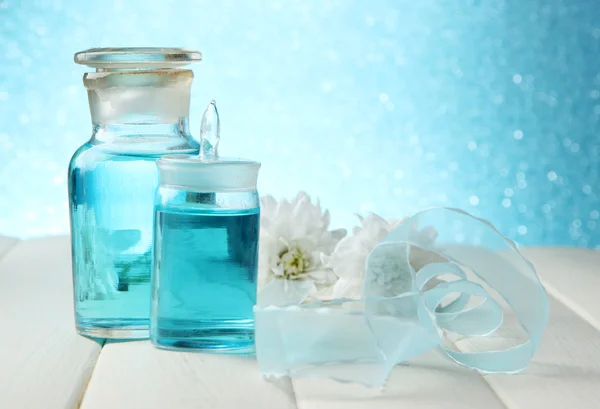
x,y
139,102
204,279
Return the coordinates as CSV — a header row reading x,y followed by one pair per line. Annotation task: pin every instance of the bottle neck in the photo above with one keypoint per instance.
x,y
109,132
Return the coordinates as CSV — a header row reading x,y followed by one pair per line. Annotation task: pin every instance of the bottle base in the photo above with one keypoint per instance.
x,y
121,329
218,338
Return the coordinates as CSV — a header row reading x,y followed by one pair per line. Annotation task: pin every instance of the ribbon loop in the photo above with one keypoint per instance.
x,y
494,260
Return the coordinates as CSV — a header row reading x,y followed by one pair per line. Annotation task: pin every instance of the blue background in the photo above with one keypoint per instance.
x,y
386,106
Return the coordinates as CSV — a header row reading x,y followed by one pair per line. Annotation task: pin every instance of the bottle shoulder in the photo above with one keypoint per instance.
x,y
146,149
78,155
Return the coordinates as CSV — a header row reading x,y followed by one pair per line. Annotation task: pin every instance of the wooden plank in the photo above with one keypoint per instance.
x,y
428,381
43,362
137,375
565,372
6,243
572,276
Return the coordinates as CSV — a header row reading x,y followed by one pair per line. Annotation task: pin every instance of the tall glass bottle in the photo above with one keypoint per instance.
x,y
139,103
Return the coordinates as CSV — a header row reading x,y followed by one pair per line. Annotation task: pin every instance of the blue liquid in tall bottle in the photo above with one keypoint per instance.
x,y
205,270
111,198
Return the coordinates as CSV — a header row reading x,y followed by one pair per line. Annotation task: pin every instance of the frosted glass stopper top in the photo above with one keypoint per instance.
x,y
136,58
210,131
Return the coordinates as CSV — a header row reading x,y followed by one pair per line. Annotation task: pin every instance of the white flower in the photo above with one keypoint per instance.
x,y
349,256
293,236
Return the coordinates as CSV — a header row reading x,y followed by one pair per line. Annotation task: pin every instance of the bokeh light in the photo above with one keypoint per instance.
x,y
386,106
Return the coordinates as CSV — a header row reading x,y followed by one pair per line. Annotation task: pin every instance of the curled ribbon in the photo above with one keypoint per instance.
x,y
475,296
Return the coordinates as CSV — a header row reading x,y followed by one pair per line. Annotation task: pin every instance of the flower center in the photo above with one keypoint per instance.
x,y
294,262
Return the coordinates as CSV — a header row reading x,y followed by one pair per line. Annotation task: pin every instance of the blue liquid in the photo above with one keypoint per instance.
x,y
111,197
205,280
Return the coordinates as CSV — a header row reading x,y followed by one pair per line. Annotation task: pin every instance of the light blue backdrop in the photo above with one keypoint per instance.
x,y
391,106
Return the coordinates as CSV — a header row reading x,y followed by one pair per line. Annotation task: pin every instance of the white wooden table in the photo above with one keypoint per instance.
x,y
45,364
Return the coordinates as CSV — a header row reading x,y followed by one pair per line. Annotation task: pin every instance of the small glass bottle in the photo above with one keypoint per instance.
x,y
139,103
204,278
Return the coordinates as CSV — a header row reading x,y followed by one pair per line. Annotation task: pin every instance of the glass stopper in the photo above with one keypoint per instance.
x,y
210,131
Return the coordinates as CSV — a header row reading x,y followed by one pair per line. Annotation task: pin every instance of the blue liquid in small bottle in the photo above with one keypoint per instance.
x,y
204,279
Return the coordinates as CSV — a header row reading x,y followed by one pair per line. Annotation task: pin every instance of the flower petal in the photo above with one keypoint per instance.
x,y
338,234
347,289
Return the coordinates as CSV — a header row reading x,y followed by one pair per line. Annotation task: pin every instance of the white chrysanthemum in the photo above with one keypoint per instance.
x,y
293,236
349,257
